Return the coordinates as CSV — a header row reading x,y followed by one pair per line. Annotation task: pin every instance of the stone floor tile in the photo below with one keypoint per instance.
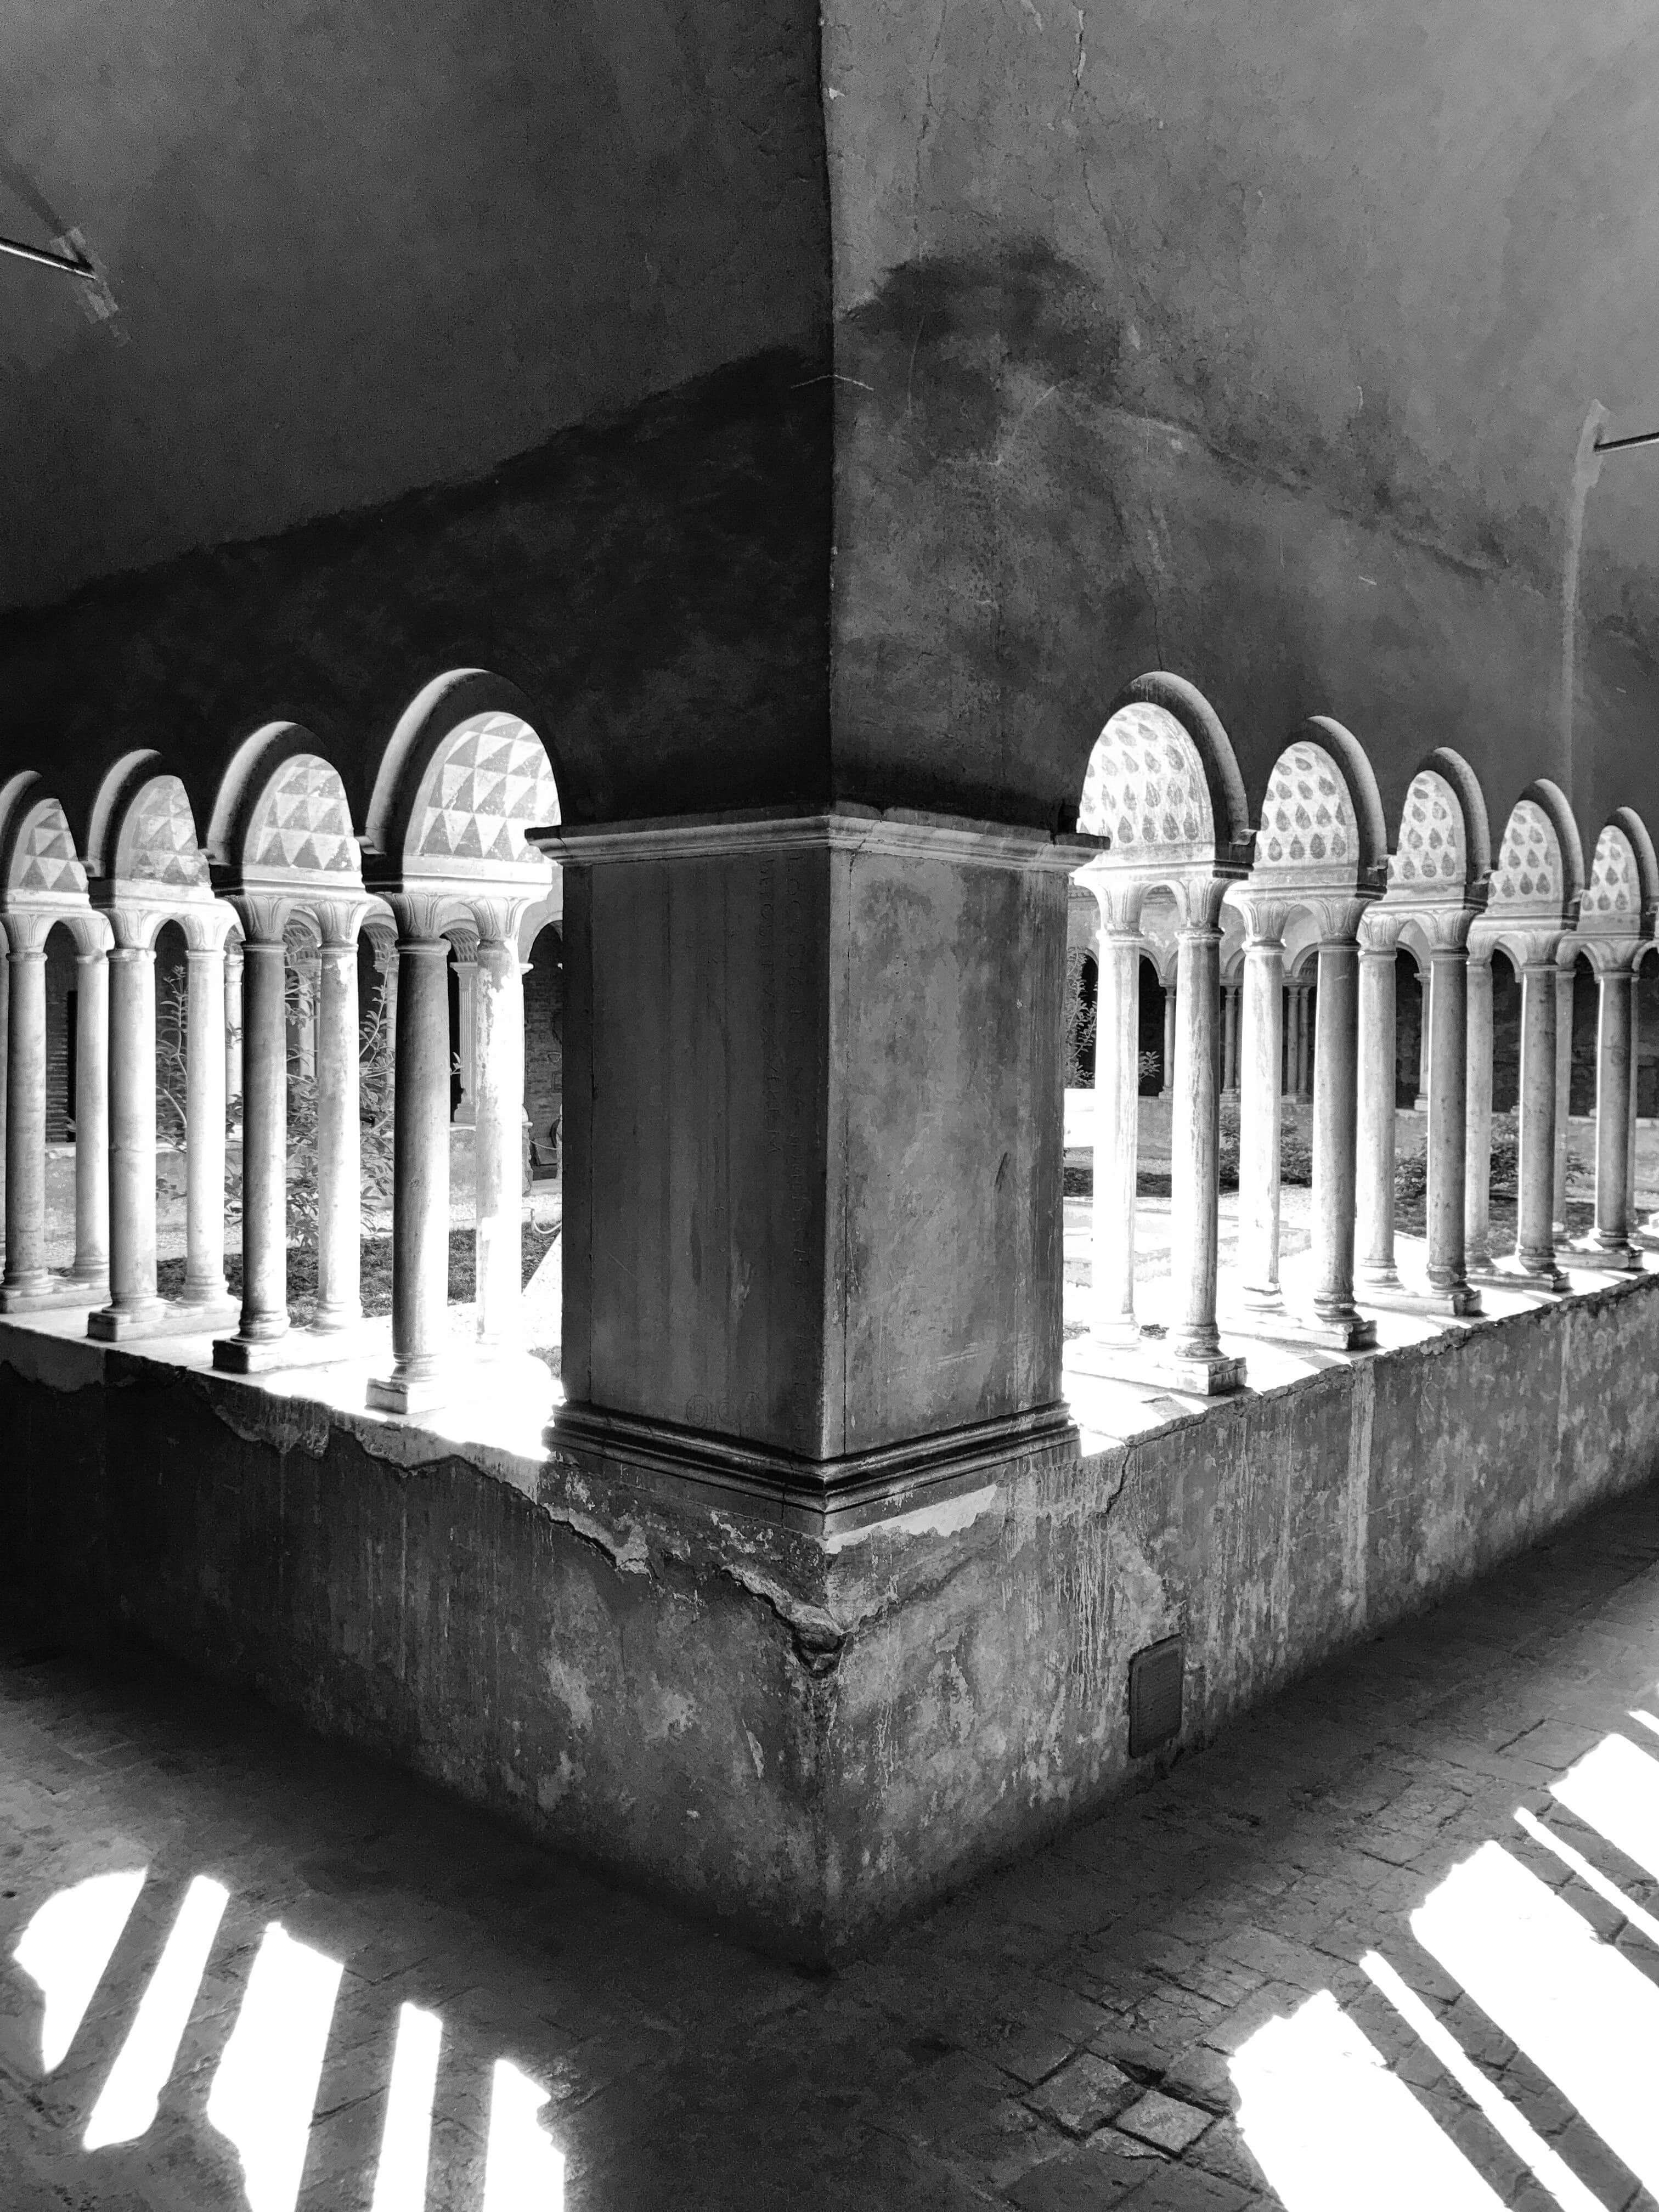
x,y
1086,2092
1184,2188
1165,2121
1090,2178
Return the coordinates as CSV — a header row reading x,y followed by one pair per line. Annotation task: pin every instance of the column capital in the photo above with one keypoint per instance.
x,y
1612,956
1266,914
1337,917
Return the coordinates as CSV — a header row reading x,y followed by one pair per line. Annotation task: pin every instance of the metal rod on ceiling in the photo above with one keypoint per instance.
x,y
45,259
1613,445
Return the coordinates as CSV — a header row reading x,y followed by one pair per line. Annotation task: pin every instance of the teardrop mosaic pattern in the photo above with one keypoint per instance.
x,y
1431,856
1146,787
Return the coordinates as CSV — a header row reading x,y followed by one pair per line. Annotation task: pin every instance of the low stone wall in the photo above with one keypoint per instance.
x,y
807,1736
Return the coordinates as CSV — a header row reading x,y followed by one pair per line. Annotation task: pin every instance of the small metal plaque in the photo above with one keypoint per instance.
x,y
1154,1680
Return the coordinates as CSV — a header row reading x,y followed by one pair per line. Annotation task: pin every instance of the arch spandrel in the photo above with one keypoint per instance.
x,y
42,863
299,826
486,783
1146,789
1431,857
156,843
1162,787
1612,897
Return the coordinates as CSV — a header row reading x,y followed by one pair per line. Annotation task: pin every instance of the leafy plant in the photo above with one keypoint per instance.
x,y
1078,1032
375,1096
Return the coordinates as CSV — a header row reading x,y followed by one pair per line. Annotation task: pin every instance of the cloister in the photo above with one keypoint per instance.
x,y
1280,923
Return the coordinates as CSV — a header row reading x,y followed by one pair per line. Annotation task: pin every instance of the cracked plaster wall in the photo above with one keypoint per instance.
x,y
807,1738
1252,342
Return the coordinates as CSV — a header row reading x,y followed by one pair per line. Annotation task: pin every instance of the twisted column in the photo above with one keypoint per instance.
x,y
1477,1113
1195,1346
92,1116
420,1204
1374,1190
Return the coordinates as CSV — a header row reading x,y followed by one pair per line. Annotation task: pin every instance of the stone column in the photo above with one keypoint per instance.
x,y
133,1303
1611,1240
205,1128
27,1279
1534,1243
339,1144
1168,1076
1425,1035
420,1200
234,1018
1564,996
466,1018
1292,1031
1448,1041
1117,1130
1477,1110
1230,1011
1304,1044
1373,1194
1194,1344
92,1117
265,1154
1259,1109
498,1078
1335,1136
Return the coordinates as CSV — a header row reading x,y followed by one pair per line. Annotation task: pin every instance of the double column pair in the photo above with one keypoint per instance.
x,y
129,1041
29,1285
419,1378
1335,1318
260,1340
1458,1025
1192,1353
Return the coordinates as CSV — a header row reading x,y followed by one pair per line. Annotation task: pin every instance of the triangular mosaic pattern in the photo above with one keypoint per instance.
x,y
1615,888
1307,816
1430,855
1144,787
486,788
1529,870
158,844
44,859
303,822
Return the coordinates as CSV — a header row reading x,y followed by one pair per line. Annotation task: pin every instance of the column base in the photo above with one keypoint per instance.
x,y
1616,1259
1530,1275
156,1317
295,1347
1256,1299
37,1295
1461,1302
1210,1374
410,1393
1285,1326
1380,1276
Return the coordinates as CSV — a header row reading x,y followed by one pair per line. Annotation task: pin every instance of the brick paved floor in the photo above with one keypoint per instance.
x,y
1059,2036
